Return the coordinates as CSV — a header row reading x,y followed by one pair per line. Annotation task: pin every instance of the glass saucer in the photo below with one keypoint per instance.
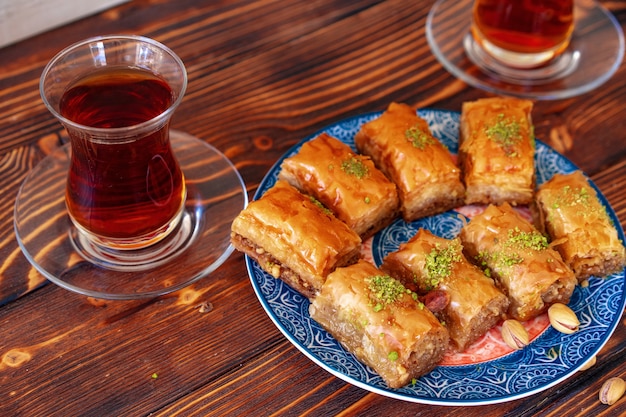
x,y
215,196
595,52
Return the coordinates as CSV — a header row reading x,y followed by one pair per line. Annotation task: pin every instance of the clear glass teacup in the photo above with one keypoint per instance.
x,y
523,33
115,96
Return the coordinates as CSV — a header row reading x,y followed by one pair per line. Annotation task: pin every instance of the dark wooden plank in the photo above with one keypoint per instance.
x,y
67,343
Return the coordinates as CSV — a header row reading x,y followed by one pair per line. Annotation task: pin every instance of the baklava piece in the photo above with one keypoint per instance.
x,y
457,292
380,322
579,227
517,255
348,184
293,238
496,151
402,146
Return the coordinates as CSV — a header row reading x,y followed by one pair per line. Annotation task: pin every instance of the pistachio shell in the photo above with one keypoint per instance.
x,y
563,319
612,390
514,334
588,364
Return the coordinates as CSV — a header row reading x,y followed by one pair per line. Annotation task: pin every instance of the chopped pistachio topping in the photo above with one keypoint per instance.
x,y
355,167
393,356
568,197
418,137
499,260
506,133
509,254
320,205
579,198
385,290
440,261
527,240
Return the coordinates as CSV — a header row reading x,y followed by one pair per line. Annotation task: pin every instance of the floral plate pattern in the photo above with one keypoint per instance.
x,y
492,374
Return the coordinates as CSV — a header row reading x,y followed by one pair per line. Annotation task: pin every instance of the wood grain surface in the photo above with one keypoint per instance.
x,y
262,75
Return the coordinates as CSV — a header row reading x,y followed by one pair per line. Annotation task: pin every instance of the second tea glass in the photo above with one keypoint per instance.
x,y
523,34
580,67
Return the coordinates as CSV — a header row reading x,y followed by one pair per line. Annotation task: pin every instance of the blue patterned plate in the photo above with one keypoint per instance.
x,y
488,373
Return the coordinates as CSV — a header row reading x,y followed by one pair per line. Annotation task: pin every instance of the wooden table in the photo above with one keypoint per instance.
x,y
263,75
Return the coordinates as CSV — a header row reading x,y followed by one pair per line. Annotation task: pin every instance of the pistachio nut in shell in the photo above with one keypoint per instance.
x,y
514,334
563,318
612,390
591,362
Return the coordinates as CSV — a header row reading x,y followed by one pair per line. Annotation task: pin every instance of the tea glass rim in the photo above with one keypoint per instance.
x,y
106,131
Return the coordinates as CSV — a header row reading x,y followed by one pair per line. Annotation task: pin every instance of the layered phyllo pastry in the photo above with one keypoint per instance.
x,y
517,255
402,146
294,238
579,227
381,322
348,184
457,291
496,151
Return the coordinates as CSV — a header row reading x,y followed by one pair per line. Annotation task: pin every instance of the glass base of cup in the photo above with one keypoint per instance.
x,y
197,246
523,69
516,59
126,256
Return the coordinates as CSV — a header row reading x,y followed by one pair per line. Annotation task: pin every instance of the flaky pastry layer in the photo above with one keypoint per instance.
x,y
402,146
496,151
300,237
433,263
512,251
400,340
348,184
579,226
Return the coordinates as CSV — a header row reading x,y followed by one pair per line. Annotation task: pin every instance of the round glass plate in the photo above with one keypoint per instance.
x,y
215,196
583,67
488,371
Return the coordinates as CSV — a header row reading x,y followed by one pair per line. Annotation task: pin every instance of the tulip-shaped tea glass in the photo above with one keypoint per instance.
x,y
136,194
539,49
115,97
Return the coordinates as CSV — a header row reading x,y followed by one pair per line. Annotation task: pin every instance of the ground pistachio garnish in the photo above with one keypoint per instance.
x,y
393,356
440,261
385,290
499,260
319,204
510,253
568,197
418,137
354,166
532,240
579,198
506,133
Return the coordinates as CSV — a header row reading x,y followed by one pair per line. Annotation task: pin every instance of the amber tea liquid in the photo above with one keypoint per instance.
x,y
523,33
121,189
